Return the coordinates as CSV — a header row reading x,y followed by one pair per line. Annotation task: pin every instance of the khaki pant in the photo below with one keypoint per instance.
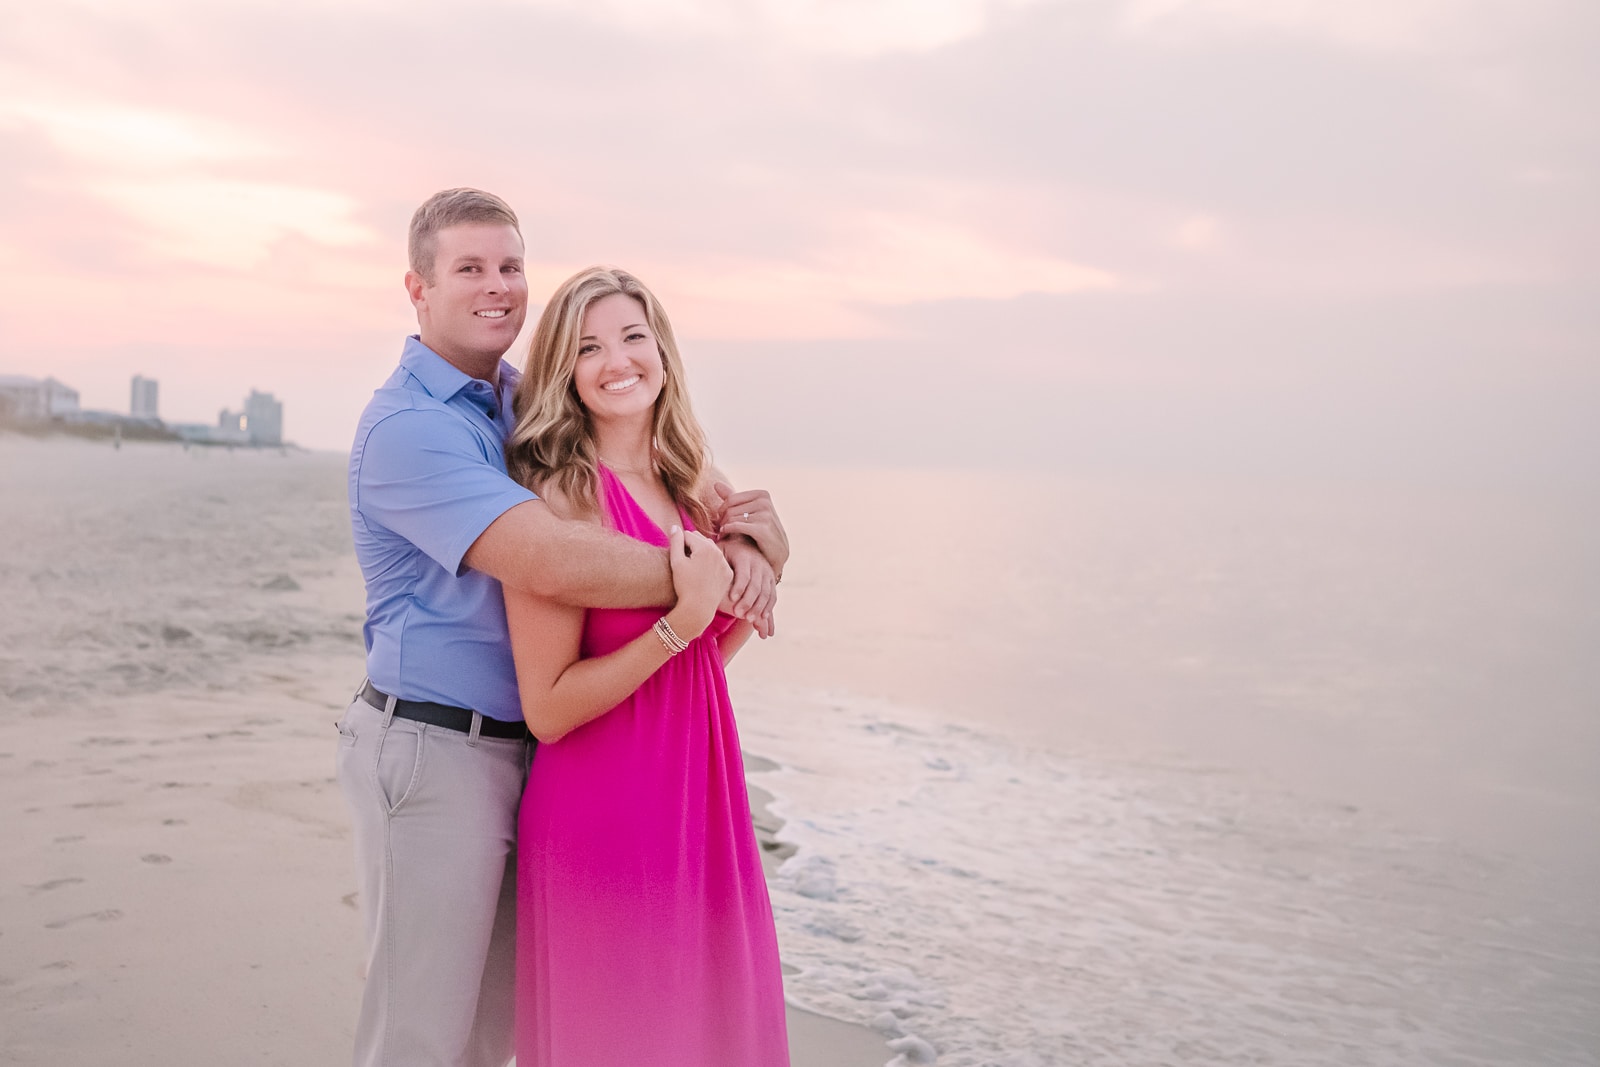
x,y
435,818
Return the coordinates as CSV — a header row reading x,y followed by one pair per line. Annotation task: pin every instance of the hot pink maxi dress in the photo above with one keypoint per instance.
x,y
644,931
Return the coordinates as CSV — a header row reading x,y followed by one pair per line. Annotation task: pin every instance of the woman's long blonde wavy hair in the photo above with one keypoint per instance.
x,y
553,440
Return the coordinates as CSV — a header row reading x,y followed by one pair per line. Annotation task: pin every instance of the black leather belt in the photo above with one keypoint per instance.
x,y
444,715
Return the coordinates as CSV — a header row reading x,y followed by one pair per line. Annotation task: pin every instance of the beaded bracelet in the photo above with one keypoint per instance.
x,y
669,637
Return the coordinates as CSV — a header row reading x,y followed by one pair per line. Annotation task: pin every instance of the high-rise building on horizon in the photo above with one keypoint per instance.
x,y
260,423
145,400
265,415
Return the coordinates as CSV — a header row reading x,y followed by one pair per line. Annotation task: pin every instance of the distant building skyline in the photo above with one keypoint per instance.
x,y
260,423
25,397
144,402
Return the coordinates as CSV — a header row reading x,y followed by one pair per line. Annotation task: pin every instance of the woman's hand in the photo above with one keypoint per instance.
x,y
751,514
700,576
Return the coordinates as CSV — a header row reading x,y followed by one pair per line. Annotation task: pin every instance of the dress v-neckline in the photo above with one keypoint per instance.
x,y
683,519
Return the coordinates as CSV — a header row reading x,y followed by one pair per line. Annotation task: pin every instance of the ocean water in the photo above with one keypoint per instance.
x,y
1093,770
1012,907
1079,769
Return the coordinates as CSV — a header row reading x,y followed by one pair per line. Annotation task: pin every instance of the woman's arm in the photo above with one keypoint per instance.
x,y
560,691
733,639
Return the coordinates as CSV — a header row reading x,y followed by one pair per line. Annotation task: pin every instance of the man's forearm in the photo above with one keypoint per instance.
x,y
574,563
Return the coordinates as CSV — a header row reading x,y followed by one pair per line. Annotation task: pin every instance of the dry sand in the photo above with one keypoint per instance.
x,y
179,886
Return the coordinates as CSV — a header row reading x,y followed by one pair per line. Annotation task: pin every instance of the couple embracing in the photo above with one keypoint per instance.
x,y
552,832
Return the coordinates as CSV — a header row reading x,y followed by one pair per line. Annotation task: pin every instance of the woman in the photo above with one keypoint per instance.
x,y
645,933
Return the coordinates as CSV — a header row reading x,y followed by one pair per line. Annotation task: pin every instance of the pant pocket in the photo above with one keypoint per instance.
x,y
399,766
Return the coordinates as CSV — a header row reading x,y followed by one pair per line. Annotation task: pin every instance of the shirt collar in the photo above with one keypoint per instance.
x,y
443,380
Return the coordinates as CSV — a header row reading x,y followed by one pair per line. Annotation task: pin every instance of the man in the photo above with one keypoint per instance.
x,y
433,751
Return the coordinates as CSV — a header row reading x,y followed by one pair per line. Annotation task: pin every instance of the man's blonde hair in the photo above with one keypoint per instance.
x,y
452,207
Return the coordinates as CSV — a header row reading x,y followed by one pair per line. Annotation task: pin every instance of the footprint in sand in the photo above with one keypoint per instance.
x,y
174,822
67,839
155,857
54,883
349,900
109,915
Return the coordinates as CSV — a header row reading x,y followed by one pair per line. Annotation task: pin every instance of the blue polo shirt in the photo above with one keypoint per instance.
x,y
427,476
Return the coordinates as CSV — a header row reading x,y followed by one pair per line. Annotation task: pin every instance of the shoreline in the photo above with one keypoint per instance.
x,y
815,1040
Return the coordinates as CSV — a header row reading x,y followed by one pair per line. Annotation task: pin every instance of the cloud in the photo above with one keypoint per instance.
x,y
875,27
106,134
1197,232
238,177
890,260
1373,24
230,223
873,261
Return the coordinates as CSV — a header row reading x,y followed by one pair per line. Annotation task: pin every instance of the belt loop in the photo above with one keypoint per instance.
x,y
388,710
477,728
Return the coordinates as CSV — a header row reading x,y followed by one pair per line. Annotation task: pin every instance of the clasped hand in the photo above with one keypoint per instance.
x,y
700,576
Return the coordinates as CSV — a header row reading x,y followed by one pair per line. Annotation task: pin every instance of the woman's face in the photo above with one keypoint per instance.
x,y
619,373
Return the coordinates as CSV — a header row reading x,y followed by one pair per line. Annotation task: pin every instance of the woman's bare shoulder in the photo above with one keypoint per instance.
x,y
561,505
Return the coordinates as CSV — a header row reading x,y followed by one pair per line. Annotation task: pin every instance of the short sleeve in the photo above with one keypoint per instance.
x,y
424,475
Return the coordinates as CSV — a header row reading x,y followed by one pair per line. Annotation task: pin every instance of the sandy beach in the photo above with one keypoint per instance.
x,y
179,885
178,881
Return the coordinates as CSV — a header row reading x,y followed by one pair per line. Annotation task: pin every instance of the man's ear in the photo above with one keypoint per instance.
x,y
415,284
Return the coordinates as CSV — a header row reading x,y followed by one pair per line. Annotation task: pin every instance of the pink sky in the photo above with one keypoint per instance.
x,y
947,229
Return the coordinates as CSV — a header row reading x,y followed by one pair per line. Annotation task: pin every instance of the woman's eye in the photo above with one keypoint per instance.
x,y
636,336
584,350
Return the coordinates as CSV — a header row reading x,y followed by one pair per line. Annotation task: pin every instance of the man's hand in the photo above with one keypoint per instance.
x,y
751,514
754,591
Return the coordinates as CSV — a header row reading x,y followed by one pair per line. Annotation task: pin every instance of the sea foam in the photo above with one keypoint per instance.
x,y
988,905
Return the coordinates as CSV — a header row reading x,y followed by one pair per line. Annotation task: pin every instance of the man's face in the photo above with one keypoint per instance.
x,y
474,306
